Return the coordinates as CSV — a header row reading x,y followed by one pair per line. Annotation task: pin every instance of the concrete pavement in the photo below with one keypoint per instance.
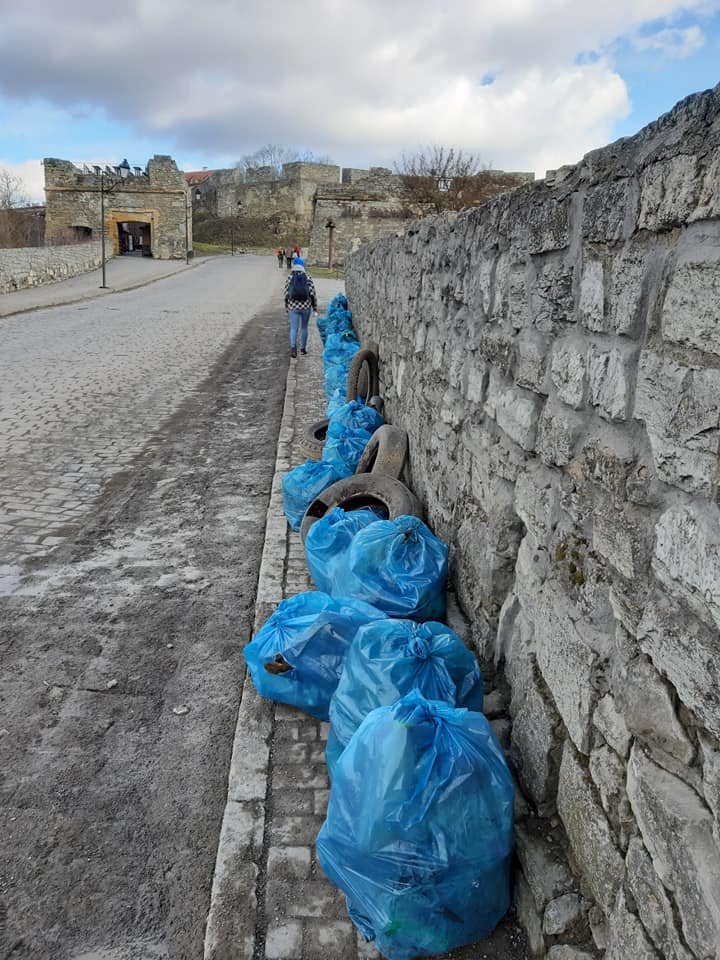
x,y
121,273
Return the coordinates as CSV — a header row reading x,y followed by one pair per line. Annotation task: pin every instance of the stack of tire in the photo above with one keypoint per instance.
x,y
418,832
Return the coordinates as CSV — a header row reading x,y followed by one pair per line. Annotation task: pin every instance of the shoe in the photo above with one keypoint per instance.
x,y
304,352
293,352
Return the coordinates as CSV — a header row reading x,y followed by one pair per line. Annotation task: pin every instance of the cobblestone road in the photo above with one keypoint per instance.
x,y
83,388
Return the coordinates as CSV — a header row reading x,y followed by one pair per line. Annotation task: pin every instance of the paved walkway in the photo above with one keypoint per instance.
x,y
270,898
121,273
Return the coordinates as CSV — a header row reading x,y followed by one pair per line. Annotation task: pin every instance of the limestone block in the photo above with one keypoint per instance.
x,y
710,750
548,225
551,296
680,406
611,724
532,350
611,379
591,841
608,774
568,372
691,311
687,557
677,831
529,917
609,211
625,314
653,905
566,916
708,206
669,193
621,536
591,303
648,710
562,952
518,311
559,431
543,863
626,936
517,412
686,652
537,499
534,738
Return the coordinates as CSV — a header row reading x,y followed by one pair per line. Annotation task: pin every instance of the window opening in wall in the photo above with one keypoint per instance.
x,y
135,239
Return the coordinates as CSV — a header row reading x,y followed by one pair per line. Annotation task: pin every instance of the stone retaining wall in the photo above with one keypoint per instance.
x,y
31,266
555,358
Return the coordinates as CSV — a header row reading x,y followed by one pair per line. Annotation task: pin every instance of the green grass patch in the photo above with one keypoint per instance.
x,y
337,273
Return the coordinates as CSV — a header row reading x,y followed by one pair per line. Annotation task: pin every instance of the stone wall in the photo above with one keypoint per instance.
x,y
555,358
157,196
31,266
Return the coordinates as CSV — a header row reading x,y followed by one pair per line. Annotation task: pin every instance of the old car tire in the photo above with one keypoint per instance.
x,y
377,403
363,373
313,439
385,452
363,490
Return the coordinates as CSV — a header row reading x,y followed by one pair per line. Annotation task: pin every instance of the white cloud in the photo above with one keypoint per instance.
x,y
32,175
672,42
360,81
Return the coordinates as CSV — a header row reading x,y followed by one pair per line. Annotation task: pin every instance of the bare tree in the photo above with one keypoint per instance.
x,y
12,191
447,178
274,155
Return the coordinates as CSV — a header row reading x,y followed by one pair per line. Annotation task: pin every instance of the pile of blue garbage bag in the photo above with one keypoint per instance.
x,y
419,827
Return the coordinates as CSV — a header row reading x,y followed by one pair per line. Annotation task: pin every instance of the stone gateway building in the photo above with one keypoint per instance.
x,y
147,212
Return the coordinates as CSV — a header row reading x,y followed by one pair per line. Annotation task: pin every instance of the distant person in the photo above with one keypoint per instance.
x,y
300,301
296,251
288,257
280,254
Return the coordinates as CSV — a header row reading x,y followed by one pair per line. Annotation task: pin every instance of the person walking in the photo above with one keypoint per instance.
x,y
280,254
288,257
300,301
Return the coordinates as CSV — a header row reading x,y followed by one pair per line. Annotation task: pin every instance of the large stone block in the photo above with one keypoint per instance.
x,y
591,302
609,211
537,499
568,371
611,724
687,653
669,193
677,831
608,774
680,406
551,296
547,225
611,380
543,863
559,431
591,841
687,557
515,410
532,352
626,937
648,709
653,904
691,311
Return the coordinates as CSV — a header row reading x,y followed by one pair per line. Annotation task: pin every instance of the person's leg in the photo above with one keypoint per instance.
x,y
304,320
294,318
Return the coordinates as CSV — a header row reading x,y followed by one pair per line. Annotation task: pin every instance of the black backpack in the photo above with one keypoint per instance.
x,y
298,289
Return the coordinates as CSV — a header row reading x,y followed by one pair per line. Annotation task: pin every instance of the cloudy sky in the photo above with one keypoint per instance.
x,y
526,84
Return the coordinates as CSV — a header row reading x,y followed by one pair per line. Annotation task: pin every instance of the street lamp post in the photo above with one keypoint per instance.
x,y
187,231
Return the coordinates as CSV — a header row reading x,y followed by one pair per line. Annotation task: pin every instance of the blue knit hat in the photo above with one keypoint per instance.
x,y
298,262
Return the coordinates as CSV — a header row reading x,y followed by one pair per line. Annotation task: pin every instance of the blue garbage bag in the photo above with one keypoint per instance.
x,y
335,400
339,301
358,416
301,485
335,380
388,659
344,445
338,323
329,538
398,566
304,644
418,833
340,348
